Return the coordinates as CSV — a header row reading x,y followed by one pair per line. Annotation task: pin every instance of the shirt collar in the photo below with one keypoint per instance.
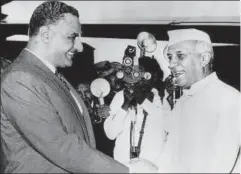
x,y
48,64
200,84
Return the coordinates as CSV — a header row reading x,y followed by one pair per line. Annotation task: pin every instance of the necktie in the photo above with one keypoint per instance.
x,y
62,79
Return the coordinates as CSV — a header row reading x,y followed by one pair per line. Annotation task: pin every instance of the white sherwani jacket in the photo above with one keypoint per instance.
x,y
203,129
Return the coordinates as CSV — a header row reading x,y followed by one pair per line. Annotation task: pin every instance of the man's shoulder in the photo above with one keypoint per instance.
x,y
225,88
224,92
20,72
14,76
22,67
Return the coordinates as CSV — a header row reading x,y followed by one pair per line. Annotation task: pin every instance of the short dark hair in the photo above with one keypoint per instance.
x,y
47,13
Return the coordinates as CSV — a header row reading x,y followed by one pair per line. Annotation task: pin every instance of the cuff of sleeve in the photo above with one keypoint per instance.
x,y
119,112
147,105
123,111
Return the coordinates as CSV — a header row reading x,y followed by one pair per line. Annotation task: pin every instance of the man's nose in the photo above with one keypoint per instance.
x,y
78,44
172,63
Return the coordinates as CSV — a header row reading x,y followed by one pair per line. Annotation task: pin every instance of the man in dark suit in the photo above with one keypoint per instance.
x,y
45,126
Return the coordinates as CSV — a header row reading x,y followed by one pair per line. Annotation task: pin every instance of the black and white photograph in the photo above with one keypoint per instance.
x,y
120,86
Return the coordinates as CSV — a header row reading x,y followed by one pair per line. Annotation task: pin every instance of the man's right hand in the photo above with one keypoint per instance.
x,y
103,111
139,165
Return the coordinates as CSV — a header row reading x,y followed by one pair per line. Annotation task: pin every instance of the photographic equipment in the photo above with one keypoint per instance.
x,y
130,53
130,75
146,42
100,88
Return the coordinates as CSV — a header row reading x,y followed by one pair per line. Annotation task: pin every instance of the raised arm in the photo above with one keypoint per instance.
x,y
114,124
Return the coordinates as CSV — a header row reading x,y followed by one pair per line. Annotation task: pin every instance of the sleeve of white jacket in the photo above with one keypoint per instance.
x,y
157,106
227,138
114,124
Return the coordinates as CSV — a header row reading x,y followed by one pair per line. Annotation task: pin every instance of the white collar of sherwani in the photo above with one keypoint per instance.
x,y
200,85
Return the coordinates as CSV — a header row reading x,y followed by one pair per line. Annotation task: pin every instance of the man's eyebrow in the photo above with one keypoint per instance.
x,y
178,51
75,34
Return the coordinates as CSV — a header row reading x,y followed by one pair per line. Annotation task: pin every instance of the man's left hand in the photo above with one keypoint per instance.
x,y
139,165
103,111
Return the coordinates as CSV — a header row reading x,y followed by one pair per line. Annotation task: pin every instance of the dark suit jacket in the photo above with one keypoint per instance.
x,y
42,129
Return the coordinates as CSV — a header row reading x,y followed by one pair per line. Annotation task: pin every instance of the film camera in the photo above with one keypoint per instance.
x,y
134,72
130,73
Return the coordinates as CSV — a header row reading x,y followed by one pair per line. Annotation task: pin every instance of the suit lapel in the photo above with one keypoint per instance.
x,y
33,63
85,116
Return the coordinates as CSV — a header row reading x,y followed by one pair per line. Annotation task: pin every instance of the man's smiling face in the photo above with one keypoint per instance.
x,y
185,63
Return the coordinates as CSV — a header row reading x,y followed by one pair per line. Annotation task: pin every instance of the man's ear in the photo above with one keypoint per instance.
x,y
205,59
44,34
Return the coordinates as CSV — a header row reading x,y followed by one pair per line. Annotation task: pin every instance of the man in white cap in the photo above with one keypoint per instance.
x,y
204,132
204,126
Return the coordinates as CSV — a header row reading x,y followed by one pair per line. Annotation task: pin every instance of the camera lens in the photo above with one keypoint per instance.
x,y
128,70
136,74
147,75
119,74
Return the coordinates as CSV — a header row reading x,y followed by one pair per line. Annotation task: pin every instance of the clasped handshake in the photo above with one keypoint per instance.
x,y
138,165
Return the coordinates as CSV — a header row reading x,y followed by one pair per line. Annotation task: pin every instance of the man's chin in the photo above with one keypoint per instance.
x,y
181,83
185,85
65,65
69,63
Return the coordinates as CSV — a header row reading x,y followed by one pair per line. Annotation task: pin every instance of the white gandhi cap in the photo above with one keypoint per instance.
x,y
179,35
